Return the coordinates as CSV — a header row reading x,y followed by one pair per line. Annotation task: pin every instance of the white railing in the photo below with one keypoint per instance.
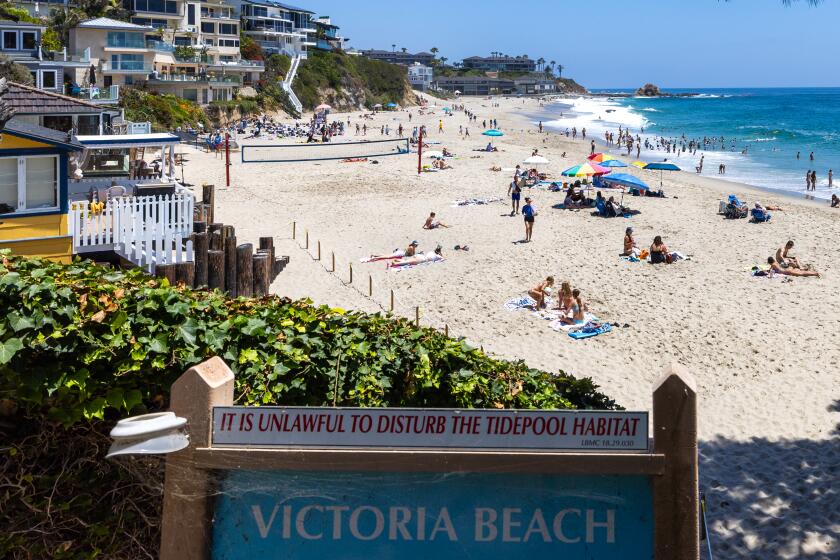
x,y
147,230
286,84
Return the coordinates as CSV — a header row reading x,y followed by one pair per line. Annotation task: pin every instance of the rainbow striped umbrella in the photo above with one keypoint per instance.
x,y
585,170
598,158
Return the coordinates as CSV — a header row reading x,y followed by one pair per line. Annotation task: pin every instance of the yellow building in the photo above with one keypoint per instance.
x,y
33,191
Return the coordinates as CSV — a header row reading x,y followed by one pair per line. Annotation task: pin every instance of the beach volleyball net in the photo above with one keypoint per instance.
x,y
287,153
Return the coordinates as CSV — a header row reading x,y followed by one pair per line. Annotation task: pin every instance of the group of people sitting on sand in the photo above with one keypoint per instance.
x,y
569,301
658,251
786,264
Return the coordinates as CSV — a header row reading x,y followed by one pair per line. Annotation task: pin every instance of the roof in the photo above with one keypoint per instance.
x,y
279,5
127,140
28,100
10,23
31,131
108,23
395,53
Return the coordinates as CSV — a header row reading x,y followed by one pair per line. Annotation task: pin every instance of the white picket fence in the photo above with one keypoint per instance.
x,y
146,230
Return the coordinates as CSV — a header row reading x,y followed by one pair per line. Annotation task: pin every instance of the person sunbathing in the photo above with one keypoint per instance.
x,y
419,259
539,292
564,298
659,252
412,249
577,311
630,248
447,153
431,223
774,266
440,164
785,260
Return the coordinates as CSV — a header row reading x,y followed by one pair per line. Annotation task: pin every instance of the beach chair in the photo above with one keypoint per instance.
x,y
601,205
760,216
735,211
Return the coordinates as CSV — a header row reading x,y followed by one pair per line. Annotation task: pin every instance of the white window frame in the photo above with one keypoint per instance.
x,y
21,184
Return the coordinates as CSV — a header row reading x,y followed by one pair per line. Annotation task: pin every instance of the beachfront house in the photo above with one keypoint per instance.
x,y
202,69
34,190
474,85
278,28
535,84
326,35
59,112
420,76
39,8
500,63
21,42
399,57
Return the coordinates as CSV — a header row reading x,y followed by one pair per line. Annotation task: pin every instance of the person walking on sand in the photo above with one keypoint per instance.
x,y
592,148
529,213
515,192
541,127
440,125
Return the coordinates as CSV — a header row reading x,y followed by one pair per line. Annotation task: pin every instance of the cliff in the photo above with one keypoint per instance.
x,y
568,85
350,82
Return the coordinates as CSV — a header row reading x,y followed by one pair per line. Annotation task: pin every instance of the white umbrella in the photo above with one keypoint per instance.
x,y
323,106
378,106
535,160
434,154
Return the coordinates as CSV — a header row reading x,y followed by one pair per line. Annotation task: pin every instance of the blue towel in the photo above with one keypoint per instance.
x,y
588,331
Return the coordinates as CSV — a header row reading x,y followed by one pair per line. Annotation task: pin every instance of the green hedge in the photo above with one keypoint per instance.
x,y
78,339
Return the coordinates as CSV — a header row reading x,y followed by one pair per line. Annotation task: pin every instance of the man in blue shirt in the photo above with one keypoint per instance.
x,y
529,214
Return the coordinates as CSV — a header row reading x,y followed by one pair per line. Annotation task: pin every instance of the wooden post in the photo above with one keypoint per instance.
x,y
675,493
199,226
351,273
214,234
185,273
230,265
370,285
200,248
417,316
244,270
392,301
267,244
306,245
216,270
166,271
188,491
208,197
319,249
294,230
446,330
260,273
333,262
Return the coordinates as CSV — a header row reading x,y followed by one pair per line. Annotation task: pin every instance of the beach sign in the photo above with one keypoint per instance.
x,y
355,483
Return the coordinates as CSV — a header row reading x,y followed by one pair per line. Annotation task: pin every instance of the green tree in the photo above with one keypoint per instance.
x,y
13,71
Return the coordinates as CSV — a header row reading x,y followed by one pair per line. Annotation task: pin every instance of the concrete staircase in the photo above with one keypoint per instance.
x,y
286,84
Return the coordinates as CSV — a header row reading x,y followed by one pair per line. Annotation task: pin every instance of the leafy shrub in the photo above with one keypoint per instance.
x,y
78,339
164,111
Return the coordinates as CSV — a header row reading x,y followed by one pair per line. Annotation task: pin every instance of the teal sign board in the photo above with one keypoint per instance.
x,y
440,516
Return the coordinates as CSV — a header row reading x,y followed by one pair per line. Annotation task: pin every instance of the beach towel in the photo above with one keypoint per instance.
x,y
591,329
559,326
475,201
629,259
397,254
522,302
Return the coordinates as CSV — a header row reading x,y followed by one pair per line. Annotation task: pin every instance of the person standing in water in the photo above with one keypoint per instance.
x,y
830,178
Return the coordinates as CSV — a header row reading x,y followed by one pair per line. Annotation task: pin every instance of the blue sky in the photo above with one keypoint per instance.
x,y
616,43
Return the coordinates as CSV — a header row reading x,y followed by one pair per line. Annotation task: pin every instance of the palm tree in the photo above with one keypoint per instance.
x,y
443,60
404,49
552,64
559,70
540,62
393,48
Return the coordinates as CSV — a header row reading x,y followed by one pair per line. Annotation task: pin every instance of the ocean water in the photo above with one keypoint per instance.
x,y
763,129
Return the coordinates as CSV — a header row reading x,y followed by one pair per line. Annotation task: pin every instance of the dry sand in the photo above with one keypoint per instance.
x,y
764,352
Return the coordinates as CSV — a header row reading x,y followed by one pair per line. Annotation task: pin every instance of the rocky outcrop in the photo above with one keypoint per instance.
x,y
649,90
568,85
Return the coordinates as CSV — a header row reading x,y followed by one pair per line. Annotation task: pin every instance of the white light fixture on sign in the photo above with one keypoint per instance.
x,y
149,434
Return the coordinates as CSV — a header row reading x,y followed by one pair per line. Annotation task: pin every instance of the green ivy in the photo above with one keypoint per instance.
x,y
77,340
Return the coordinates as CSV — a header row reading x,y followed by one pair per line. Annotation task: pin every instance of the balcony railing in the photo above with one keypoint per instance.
x,y
243,63
128,66
159,46
97,95
208,15
195,78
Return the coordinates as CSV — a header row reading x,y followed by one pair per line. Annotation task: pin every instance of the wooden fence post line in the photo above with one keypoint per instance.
x,y
261,283
200,244
230,265
676,492
216,270
185,272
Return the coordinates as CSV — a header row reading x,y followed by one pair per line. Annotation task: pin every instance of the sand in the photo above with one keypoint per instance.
x,y
764,351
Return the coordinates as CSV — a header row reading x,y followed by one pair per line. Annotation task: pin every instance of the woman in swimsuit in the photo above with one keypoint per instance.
x,y
659,252
538,292
576,312
774,266
564,298
630,249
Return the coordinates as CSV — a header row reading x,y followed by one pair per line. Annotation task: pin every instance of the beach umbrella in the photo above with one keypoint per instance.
x,y
585,170
493,132
639,164
662,166
323,107
392,104
612,163
378,106
535,160
626,180
600,157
